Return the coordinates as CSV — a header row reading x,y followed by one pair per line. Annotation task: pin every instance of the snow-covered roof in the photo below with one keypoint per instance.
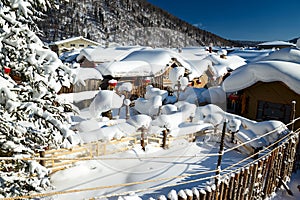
x,y
251,55
276,43
142,62
73,39
286,54
88,73
221,65
101,55
281,66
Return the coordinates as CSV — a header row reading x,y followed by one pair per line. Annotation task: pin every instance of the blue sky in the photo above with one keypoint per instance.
x,y
257,20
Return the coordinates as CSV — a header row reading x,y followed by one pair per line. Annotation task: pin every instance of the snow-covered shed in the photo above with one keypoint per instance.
x,y
265,89
87,79
71,43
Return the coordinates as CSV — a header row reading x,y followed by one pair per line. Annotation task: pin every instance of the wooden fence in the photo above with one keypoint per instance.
x,y
257,180
100,148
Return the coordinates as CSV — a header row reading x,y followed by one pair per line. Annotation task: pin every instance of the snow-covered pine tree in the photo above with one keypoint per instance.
x,y
31,117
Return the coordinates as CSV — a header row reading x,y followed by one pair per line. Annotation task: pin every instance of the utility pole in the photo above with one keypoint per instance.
x,y
221,152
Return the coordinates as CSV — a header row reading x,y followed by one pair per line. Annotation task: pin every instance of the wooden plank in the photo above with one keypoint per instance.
x,y
231,184
276,169
203,194
235,185
241,185
246,180
196,194
266,175
258,180
209,192
270,173
220,190
252,180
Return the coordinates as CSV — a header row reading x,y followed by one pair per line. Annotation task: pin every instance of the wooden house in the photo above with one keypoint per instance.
x,y
266,101
267,90
71,43
142,67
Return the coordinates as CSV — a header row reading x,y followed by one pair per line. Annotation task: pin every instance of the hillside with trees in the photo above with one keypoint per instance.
x,y
126,22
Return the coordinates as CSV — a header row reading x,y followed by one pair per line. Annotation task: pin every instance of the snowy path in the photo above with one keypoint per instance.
x,y
168,163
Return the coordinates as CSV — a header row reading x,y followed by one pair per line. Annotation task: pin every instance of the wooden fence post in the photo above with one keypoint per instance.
x,y
196,194
253,178
202,194
241,186
231,184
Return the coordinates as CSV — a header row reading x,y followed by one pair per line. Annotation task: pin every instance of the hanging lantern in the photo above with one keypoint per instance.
x,y
112,83
233,97
147,80
7,70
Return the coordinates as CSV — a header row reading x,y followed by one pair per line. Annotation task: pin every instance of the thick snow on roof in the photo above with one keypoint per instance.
x,y
221,65
141,62
282,66
73,39
286,54
276,43
192,53
251,55
100,54
88,73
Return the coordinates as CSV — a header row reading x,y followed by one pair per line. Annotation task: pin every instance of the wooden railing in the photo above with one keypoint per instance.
x,y
55,159
259,179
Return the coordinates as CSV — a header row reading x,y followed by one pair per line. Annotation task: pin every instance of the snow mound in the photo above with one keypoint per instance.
x,y
104,101
152,92
139,121
148,107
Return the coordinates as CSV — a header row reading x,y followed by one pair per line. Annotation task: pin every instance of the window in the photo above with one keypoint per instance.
x,y
72,45
273,111
81,45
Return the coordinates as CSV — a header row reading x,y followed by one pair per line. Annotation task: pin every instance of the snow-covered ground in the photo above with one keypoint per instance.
x,y
154,168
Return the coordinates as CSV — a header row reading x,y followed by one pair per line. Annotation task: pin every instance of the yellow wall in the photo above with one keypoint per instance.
x,y
274,92
80,43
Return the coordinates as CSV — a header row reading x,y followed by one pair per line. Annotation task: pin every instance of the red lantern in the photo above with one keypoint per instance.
x,y
233,97
7,70
147,80
112,83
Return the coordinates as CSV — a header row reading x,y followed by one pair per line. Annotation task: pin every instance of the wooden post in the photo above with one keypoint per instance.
x,y
202,194
220,189
253,178
196,194
165,134
225,189
294,114
189,194
178,89
245,183
209,192
143,129
240,184
231,184
221,152
42,155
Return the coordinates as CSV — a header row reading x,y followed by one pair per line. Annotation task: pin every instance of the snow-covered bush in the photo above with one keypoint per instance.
x,y
31,117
